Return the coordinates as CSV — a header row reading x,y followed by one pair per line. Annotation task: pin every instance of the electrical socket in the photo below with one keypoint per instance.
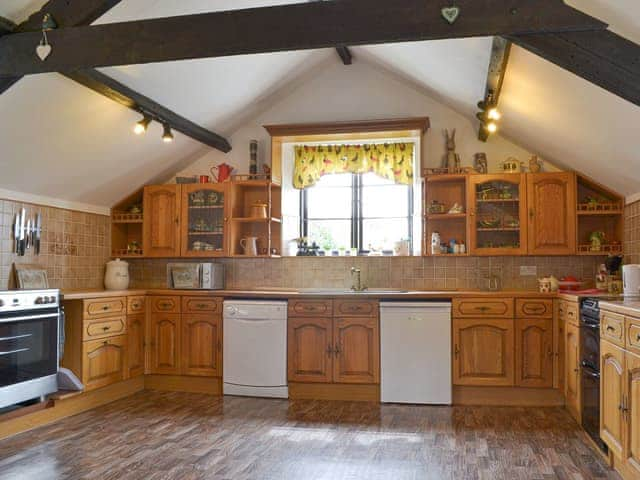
x,y
526,271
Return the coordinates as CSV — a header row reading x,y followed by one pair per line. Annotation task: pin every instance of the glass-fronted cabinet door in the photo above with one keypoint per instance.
x,y
498,214
204,220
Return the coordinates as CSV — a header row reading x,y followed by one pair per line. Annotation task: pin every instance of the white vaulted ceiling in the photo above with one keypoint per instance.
x,y
64,141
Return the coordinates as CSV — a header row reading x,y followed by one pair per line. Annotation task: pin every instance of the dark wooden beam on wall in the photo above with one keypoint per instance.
x,y
67,13
500,49
262,30
601,57
120,93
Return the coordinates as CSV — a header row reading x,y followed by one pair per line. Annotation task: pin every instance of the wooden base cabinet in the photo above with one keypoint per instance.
x,y
135,345
612,397
483,352
572,381
333,349
165,344
201,345
310,349
534,352
103,362
631,446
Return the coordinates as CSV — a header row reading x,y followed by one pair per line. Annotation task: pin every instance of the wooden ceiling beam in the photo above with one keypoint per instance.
x,y
500,49
120,93
261,30
343,51
67,13
600,57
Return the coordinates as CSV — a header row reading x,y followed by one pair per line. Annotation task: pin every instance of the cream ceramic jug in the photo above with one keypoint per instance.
x,y
250,246
116,275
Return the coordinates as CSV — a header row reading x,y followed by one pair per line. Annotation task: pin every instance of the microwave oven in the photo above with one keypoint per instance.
x,y
195,276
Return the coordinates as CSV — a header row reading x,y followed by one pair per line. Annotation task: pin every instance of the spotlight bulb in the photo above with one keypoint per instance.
x,y
494,114
142,125
492,127
167,136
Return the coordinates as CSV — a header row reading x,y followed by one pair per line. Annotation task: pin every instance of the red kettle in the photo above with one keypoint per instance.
x,y
224,172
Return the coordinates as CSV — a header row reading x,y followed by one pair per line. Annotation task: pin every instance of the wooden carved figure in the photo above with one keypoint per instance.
x,y
450,160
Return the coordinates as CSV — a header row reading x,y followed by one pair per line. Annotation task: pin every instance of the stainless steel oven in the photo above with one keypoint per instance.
x,y
29,344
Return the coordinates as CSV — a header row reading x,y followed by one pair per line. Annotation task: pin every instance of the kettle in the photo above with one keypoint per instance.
x,y
224,172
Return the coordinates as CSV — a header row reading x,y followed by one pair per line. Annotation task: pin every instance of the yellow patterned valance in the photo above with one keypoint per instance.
x,y
393,161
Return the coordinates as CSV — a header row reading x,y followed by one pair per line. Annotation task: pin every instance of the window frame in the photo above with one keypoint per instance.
x,y
357,218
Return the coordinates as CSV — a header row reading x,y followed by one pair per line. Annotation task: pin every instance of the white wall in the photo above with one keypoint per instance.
x,y
358,92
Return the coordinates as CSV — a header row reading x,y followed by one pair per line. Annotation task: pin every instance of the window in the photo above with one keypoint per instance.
x,y
361,211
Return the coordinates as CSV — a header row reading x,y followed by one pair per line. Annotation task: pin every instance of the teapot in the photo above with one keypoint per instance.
x,y
224,172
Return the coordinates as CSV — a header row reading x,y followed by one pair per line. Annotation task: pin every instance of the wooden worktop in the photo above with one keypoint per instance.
x,y
287,293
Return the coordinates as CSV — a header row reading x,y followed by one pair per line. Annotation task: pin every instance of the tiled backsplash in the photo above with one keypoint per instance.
x,y
632,233
379,272
74,248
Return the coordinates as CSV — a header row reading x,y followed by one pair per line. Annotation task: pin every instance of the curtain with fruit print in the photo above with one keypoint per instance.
x,y
393,161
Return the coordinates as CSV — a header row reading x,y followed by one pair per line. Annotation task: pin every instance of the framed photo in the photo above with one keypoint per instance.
x,y
31,277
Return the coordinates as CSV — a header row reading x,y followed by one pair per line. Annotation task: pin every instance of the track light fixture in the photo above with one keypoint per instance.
x,y
489,114
167,136
141,126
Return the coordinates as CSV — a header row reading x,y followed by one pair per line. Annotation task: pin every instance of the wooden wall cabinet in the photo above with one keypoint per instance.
x,y
483,352
551,204
161,227
323,348
204,220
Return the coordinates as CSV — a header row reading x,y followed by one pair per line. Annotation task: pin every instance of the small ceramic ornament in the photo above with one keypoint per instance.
x,y
43,51
451,14
544,285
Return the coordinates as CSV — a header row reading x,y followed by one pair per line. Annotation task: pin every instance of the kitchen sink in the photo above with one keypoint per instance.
x,y
343,291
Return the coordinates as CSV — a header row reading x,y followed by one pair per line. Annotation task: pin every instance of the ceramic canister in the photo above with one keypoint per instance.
x,y
116,276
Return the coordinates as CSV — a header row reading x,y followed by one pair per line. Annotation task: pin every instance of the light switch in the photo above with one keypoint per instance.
x,y
527,271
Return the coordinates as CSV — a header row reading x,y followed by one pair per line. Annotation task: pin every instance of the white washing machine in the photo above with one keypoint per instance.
x,y
255,348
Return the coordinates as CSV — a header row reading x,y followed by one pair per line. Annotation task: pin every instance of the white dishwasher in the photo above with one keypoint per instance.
x,y
255,348
415,352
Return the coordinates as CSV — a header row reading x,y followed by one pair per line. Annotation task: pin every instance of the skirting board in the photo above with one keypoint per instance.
x,y
71,406
334,391
508,396
178,383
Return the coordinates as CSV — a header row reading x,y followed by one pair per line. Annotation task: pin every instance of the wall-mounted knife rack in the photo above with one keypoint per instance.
x,y
27,233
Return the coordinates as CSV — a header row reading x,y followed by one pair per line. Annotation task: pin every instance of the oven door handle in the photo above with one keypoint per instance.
x,y
11,352
29,317
17,337
590,373
589,325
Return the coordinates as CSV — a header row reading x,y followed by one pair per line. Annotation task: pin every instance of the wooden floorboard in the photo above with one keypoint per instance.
x,y
169,435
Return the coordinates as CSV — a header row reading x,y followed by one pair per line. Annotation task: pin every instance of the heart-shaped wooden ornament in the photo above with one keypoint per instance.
x,y
43,51
450,14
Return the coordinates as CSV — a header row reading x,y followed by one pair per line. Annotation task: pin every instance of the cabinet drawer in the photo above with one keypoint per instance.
x,y
103,328
103,362
201,305
572,314
165,304
483,307
534,308
633,334
612,328
104,307
355,308
310,308
135,305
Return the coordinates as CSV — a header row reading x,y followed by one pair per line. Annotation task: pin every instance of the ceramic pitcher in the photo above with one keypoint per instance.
x,y
250,246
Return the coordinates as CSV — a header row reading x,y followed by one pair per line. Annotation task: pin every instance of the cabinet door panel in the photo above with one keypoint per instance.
x,y
483,352
611,396
632,436
135,344
572,380
103,362
551,199
310,349
204,220
534,353
161,221
165,344
201,345
357,344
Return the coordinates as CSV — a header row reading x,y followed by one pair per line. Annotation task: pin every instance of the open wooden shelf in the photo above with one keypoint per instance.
x,y
446,216
256,220
447,190
604,250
